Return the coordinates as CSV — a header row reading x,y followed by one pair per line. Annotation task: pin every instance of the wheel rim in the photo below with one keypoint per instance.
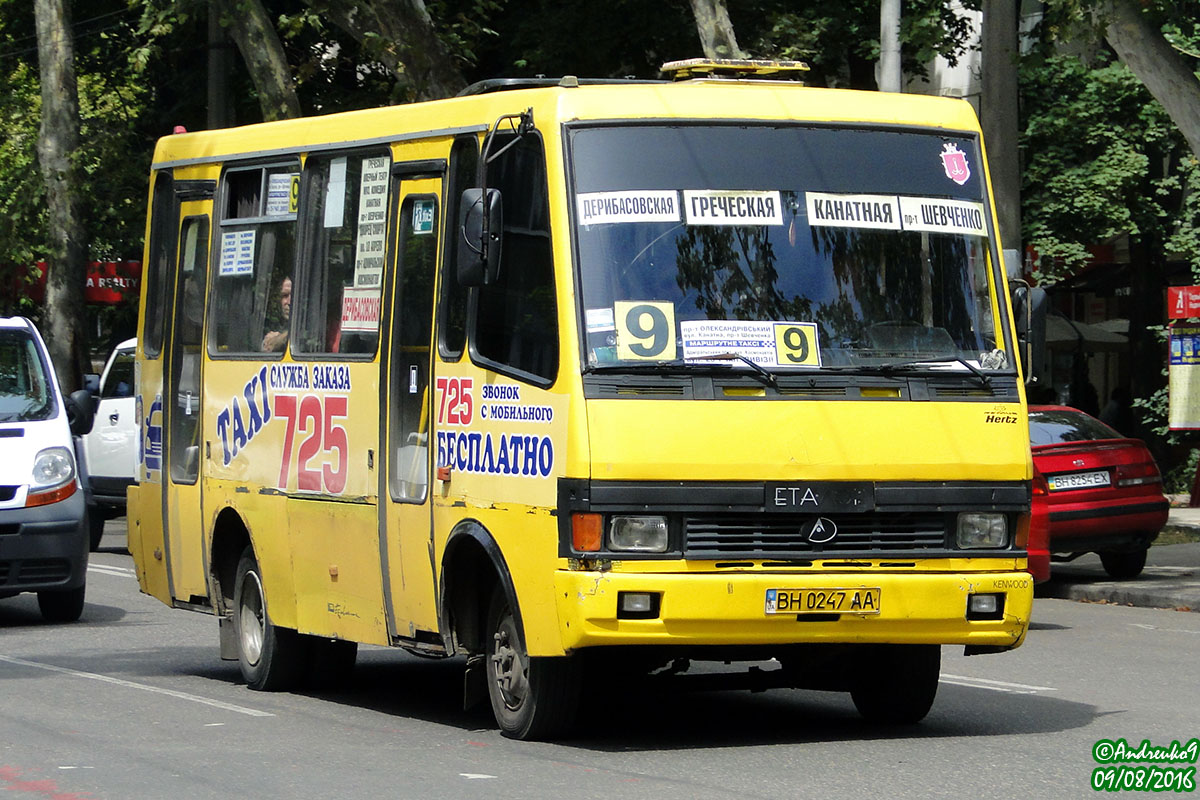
x,y
510,666
252,621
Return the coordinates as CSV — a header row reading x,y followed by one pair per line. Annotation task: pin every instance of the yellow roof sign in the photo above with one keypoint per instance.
x,y
732,68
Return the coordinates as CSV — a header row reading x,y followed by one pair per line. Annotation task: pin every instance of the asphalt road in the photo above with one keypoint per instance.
x,y
132,702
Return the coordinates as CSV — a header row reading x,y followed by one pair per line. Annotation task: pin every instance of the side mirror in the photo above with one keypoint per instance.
x,y
79,412
1030,306
479,240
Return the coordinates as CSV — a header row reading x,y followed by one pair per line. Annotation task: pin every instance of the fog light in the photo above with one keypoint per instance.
x,y
637,605
638,534
981,531
985,606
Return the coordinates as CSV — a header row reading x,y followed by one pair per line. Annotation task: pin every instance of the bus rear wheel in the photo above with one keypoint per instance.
x,y
896,683
271,658
532,698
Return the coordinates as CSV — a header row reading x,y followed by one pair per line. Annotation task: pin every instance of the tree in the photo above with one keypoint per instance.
x,y
258,41
715,29
1135,31
58,141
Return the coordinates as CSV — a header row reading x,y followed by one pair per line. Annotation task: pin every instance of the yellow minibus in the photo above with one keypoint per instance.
x,y
570,377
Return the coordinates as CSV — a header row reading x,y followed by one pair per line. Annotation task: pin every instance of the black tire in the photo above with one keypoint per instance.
x,y
1123,566
95,529
532,698
62,605
271,658
895,684
330,662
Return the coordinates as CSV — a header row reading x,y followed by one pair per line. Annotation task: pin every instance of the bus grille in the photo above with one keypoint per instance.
x,y
785,536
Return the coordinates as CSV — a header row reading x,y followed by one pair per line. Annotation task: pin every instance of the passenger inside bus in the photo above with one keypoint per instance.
x,y
276,341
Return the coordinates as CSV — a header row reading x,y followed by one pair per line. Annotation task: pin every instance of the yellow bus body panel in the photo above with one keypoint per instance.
x,y
813,440
922,608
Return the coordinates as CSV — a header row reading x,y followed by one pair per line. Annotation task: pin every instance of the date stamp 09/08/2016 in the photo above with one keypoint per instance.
x,y
1145,767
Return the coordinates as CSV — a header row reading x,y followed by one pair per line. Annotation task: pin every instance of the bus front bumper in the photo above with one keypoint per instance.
x,y
731,609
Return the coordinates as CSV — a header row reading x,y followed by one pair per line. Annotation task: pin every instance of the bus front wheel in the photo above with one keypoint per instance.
x,y
532,698
896,683
271,658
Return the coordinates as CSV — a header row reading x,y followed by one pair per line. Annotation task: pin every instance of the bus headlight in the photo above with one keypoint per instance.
x,y
978,531
638,534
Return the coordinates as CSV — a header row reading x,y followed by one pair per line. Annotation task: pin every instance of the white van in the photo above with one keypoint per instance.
x,y
43,515
110,450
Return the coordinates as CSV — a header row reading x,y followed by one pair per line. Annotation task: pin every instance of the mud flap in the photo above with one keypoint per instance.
x,y
475,682
229,647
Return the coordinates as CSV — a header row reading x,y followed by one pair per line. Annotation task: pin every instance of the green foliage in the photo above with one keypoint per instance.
x,y
1095,144
841,42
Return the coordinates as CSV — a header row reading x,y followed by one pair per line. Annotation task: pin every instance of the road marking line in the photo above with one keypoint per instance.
x,y
144,687
996,686
475,776
120,572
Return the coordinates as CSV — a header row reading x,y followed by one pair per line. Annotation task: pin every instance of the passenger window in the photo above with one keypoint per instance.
x,y
164,226
119,381
464,159
251,299
409,429
516,318
345,246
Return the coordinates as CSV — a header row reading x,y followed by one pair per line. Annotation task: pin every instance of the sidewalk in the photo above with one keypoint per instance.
x,y
1171,578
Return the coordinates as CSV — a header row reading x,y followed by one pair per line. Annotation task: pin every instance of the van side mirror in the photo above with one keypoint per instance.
x,y
479,240
1030,306
79,412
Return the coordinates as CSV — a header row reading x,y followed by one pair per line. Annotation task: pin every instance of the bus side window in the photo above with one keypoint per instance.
x,y
255,259
345,245
164,224
516,321
452,306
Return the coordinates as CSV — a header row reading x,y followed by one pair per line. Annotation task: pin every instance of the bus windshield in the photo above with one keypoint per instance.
x,y
795,247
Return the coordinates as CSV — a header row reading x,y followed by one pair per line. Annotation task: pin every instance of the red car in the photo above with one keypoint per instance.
x,y
1102,491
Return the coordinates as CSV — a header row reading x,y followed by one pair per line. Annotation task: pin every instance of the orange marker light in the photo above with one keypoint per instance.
x,y
587,532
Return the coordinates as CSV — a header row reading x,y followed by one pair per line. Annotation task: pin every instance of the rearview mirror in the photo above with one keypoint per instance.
x,y
1030,305
479,240
79,412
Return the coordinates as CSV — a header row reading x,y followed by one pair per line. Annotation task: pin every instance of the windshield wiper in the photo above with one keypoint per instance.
x,y
759,370
691,364
914,365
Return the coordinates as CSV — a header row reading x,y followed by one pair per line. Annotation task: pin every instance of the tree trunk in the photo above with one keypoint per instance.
x,y
999,114
715,29
258,42
1167,75
890,73
58,138
401,35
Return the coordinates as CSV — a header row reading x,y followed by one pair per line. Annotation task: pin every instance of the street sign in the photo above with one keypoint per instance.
x,y
1183,302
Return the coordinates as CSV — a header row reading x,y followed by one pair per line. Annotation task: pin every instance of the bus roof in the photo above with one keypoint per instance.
x,y
569,100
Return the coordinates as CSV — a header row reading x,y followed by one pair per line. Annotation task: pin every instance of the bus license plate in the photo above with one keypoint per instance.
x,y
823,601
1078,480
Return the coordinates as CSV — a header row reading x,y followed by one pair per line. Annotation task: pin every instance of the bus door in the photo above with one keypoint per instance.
x,y
169,375
404,496
182,402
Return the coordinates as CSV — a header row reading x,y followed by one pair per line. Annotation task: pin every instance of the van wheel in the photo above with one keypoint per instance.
x,y
95,529
1123,566
271,658
532,698
895,684
61,606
